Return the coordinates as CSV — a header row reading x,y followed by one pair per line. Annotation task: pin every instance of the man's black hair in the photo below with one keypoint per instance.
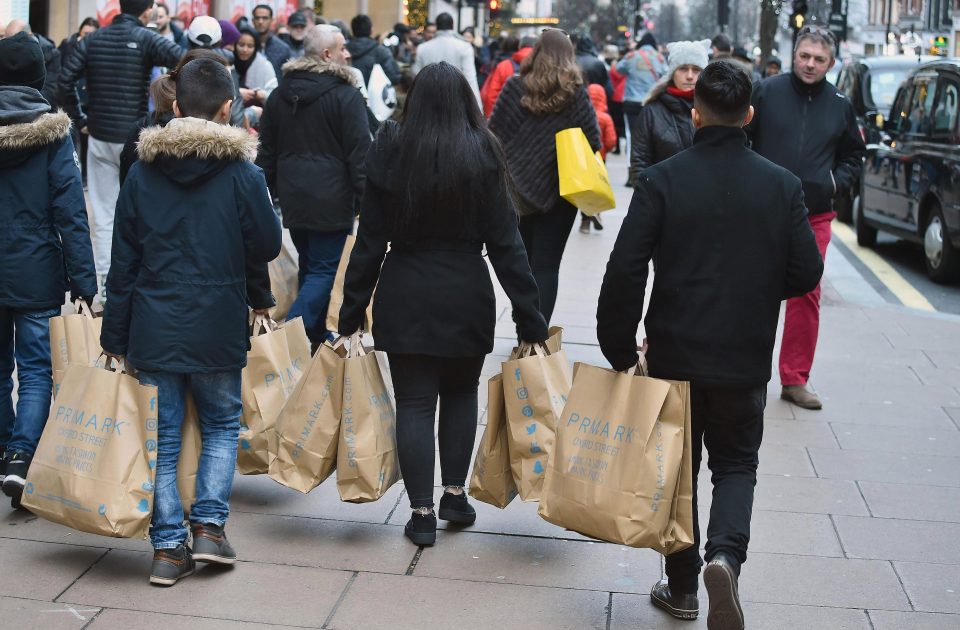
x,y
203,86
722,43
135,7
444,22
262,6
361,25
722,95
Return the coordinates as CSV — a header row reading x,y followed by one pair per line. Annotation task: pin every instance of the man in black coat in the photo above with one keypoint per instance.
x,y
366,52
116,61
272,47
595,72
807,126
52,61
313,139
728,250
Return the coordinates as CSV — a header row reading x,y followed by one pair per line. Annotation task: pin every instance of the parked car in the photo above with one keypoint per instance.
x,y
871,85
910,183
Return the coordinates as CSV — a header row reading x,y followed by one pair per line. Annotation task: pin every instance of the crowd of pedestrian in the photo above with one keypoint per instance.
x,y
199,137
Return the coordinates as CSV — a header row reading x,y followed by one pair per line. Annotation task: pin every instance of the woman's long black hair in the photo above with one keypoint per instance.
x,y
444,150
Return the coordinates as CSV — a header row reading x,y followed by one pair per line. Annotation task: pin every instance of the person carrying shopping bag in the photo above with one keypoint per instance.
x,y
728,251
437,193
546,97
194,231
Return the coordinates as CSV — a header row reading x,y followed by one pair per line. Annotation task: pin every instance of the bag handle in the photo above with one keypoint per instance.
x,y
83,308
262,325
527,349
115,365
355,348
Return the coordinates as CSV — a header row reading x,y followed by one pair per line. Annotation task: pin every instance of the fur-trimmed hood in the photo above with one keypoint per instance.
x,y
190,151
319,66
44,130
186,137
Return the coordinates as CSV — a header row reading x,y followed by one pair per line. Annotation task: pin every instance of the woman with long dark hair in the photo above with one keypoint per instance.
x,y
437,193
547,96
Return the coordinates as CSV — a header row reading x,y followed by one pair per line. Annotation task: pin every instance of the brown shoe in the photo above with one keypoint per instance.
x,y
801,397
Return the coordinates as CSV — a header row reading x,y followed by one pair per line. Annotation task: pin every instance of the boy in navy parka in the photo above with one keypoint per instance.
x,y
44,249
193,233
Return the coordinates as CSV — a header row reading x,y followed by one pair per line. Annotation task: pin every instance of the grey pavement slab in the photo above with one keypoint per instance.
x,y
815,496
26,526
129,619
895,539
813,581
249,591
42,570
797,433
908,501
879,412
783,459
540,562
320,543
904,467
634,612
931,587
789,533
27,614
926,441
954,412
888,620
262,495
414,603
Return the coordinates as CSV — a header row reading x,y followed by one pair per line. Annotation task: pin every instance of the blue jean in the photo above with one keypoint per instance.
x,y
319,254
217,397
24,342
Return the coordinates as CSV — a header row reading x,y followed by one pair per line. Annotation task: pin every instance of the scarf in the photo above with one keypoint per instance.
x,y
687,94
243,66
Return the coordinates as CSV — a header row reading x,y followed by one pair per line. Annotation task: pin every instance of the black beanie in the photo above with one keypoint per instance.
x,y
21,61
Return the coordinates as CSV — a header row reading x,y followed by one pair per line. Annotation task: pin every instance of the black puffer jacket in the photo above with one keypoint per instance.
x,y
193,233
529,141
52,61
664,129
313,139
45,240
366,52
116,61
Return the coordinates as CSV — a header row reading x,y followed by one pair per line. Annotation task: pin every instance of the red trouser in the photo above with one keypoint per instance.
x,y
801,323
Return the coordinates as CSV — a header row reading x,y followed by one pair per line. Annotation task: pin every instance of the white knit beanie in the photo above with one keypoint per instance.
x,y
688,53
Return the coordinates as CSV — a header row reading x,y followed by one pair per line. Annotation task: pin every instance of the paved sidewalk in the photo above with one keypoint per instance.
x,y
856,525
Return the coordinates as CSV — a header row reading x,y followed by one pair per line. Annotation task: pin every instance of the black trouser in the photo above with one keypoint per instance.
x,y
632,110
545,237
729,421
417,381
616,112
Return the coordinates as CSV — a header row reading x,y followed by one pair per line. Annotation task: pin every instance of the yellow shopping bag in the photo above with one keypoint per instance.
x,y
583,175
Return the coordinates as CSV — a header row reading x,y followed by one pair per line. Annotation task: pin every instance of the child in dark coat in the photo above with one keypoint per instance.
x,y
44,249
194,231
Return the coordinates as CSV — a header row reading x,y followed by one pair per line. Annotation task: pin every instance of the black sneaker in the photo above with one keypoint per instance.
x,y
456,509
720,579
597,225
16,477
210,544
422,529
3,467
169,565
679,605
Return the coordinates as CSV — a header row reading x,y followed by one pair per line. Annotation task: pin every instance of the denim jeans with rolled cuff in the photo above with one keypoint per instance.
x,y
217,398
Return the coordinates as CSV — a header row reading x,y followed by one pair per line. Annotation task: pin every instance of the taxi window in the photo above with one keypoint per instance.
x,y
945,114
919,117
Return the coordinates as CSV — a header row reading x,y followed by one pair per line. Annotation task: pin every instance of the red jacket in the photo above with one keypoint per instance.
x,y
494,83
619,84
608,133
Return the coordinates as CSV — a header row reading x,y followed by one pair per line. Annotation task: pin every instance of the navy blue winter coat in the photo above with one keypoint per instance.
x,y
44,237
193,233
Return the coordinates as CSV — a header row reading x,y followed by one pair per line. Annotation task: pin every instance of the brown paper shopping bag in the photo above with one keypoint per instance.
x,y
492,480
367,464
276,361
94,466
535,388
74,340
308,427
284,277
621,467
336,294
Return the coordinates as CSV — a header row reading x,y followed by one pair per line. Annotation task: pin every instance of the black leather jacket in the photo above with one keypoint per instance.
x,y
665,129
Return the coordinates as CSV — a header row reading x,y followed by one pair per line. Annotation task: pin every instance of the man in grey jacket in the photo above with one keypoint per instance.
x,y
447,46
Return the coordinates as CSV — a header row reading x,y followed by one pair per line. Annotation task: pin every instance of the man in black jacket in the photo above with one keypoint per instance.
x,y
52,61
808,127
728,250
366,52
116,61
271,46
313,139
